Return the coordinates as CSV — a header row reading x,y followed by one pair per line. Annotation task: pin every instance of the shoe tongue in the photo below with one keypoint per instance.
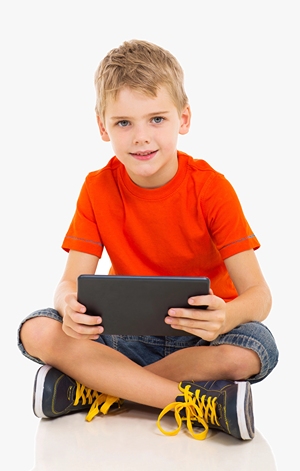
x,y
180,398
72,388
72,392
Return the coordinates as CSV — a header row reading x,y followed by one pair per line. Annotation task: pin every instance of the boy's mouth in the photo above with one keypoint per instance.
x,y
146,155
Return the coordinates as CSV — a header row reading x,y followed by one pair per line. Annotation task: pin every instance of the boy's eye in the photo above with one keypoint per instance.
x,y
123,123
158,119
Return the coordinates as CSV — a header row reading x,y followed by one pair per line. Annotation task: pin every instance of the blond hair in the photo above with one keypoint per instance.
x,y
141,66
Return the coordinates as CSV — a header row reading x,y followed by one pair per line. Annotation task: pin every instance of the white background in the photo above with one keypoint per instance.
x,y
241,63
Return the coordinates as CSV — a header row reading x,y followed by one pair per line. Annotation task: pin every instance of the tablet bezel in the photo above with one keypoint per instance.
x,y
137,305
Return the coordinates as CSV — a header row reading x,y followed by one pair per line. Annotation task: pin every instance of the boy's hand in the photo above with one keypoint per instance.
x,y
205,323
77,324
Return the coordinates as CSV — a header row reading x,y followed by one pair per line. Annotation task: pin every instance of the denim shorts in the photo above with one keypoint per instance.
x,y
145,350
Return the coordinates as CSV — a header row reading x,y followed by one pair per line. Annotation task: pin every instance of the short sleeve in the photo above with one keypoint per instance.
x,y
225,218
83,234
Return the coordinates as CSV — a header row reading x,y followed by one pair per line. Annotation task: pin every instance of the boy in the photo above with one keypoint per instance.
x,y
157,211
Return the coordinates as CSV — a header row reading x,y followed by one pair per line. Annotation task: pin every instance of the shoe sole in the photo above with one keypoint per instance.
x,y
38,391
244,410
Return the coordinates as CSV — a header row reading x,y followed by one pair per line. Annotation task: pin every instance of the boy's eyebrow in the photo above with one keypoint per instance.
x,y
156,113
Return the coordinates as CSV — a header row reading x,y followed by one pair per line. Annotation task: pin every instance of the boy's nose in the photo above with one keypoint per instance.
x,y
141,136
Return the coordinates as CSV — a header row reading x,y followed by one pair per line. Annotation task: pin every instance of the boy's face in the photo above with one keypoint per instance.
x,y
143,132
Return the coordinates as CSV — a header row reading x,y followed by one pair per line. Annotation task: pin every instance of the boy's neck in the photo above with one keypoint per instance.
x,y
157,180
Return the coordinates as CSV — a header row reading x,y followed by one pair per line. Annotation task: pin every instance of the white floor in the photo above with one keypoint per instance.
x,y
130,440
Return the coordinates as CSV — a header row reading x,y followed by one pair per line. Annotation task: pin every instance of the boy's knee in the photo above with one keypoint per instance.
x,y
241,363
35,332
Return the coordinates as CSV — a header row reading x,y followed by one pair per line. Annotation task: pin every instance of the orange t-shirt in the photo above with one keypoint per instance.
x,y
184,228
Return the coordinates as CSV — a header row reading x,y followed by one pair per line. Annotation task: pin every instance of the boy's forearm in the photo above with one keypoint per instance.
x,y
63,289
253,305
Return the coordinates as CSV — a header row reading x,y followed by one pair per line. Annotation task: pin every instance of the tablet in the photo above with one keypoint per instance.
x,y
137,305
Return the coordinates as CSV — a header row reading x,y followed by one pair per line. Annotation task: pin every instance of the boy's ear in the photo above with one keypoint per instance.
x,y
185,120
103,133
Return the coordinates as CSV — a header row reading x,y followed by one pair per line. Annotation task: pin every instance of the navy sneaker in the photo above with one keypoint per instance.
x,y
56,394
222,405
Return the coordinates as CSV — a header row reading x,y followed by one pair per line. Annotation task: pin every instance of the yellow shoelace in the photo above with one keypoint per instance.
x,y
96,399
197,409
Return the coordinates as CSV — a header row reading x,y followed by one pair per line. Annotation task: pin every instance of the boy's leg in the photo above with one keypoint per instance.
x,y
208,363
157,382
224,405
247,352
97,366
101,368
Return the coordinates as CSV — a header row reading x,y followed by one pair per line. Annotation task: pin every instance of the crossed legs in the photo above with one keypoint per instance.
x,y
104,369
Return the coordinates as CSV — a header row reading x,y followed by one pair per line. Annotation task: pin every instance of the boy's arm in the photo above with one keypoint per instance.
x,y
254,297
76,323
252,304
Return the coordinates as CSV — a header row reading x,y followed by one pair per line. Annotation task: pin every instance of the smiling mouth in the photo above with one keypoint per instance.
x,y
147,155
